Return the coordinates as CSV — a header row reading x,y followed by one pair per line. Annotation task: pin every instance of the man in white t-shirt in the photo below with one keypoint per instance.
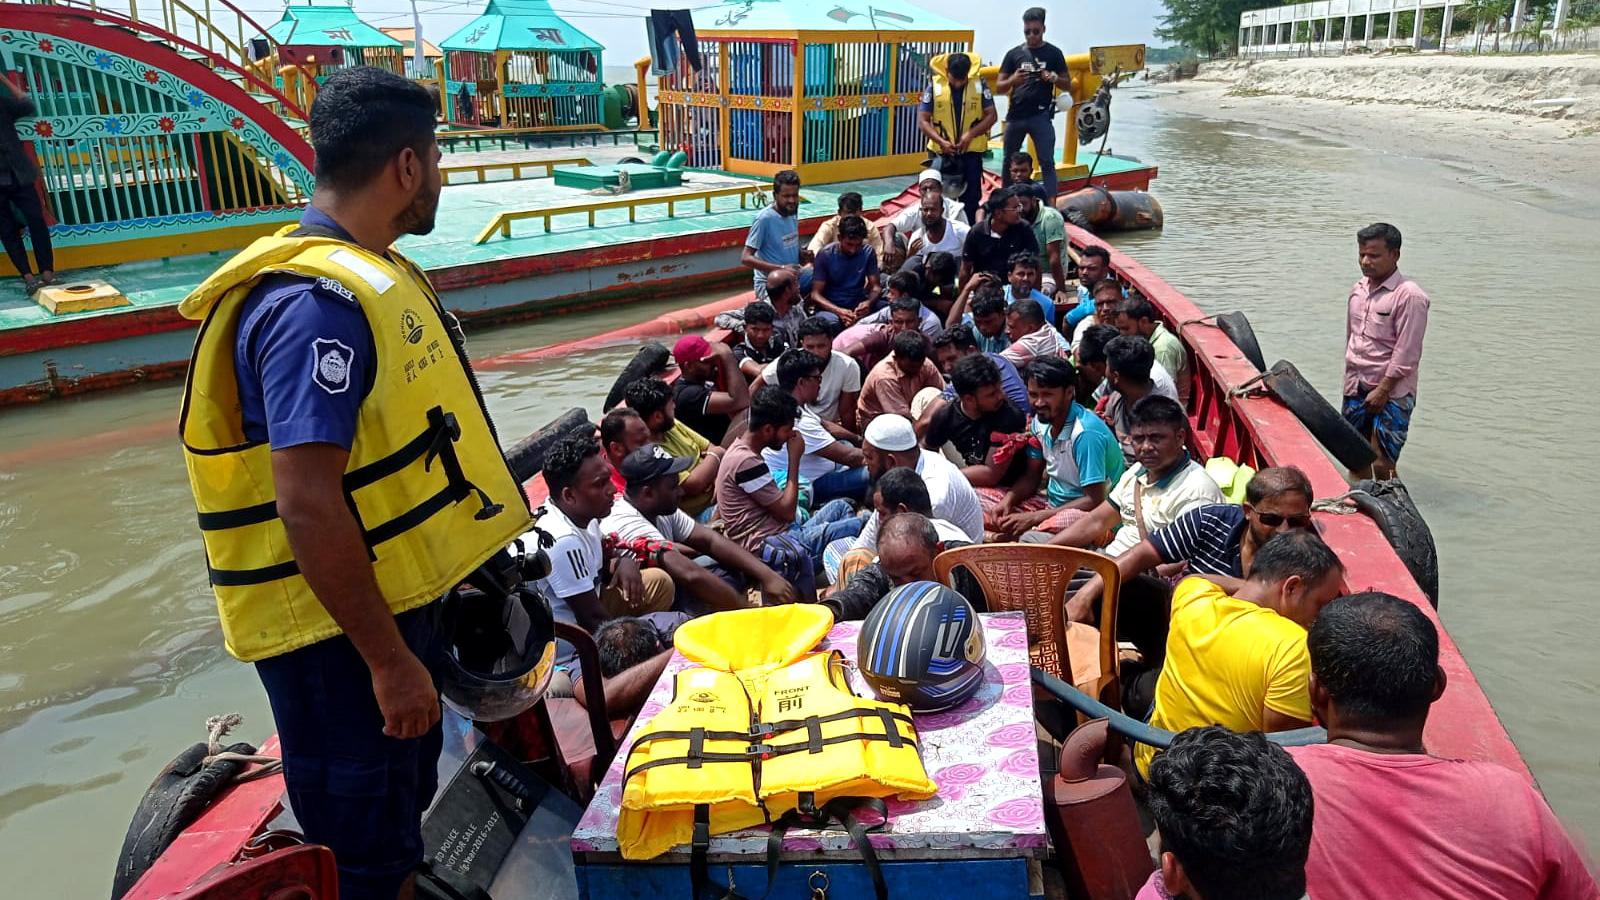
x,y
841,380
891,443
935,232
647,522
586,584
929,184
833,466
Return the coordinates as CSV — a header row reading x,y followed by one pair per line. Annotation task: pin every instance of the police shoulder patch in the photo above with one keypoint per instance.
x,y
334,286
330,364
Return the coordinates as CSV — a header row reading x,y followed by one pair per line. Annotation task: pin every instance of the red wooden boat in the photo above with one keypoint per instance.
x,y
1229,418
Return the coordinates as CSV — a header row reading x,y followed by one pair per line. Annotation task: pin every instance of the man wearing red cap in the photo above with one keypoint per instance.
x,y
701,405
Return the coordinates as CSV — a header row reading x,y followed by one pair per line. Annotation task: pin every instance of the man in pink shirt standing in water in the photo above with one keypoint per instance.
x,y
1388,315
1390,819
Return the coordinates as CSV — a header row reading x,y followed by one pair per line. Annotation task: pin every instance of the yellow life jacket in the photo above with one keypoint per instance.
x,y
944,108
765,727
426,478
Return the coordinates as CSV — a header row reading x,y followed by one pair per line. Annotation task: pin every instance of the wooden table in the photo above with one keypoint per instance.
x,y
983,834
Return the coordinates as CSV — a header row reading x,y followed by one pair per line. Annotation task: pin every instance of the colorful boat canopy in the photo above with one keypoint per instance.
x,y
326,26
827,15
519,25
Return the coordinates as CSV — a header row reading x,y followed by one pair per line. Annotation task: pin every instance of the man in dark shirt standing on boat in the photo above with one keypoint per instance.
x,y
323,357
1031,72
19,191
1388,314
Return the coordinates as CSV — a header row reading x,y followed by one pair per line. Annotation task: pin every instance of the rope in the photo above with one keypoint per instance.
x,y
1337,505
217,728
1202,319
1246,387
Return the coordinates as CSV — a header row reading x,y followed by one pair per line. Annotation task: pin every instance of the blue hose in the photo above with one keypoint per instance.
x,y
1139,732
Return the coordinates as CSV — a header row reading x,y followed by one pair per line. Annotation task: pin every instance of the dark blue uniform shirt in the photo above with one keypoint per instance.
x,y
304,358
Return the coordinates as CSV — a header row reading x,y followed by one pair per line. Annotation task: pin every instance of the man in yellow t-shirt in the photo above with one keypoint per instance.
x,y
1241,661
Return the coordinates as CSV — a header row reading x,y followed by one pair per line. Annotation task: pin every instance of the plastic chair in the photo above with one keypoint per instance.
x,y
1033,578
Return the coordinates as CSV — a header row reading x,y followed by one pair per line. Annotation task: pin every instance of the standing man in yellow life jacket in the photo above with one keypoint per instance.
x,y
956,113
347,475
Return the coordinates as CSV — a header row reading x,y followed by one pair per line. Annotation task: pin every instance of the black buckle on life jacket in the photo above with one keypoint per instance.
x,y
446,432
762,730
760,751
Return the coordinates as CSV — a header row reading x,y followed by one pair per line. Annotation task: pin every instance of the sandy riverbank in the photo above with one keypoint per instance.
x,y
1475,114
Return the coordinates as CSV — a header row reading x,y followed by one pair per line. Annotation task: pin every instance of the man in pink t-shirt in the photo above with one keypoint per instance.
x,y
1392,820
1387,315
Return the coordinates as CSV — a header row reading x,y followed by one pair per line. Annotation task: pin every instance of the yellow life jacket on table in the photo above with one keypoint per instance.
x,y
944,108
766,726
426,478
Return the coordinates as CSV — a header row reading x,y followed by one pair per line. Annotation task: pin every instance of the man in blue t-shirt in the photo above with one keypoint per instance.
x,y
1024,274
1076,458
774,239
844,279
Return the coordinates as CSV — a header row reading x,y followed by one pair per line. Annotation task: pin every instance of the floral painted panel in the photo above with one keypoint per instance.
x,y
982,754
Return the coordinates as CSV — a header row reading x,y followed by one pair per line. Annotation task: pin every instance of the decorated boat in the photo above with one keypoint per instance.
x,y
170,137
996,825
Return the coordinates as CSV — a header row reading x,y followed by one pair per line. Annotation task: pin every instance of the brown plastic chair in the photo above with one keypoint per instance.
x,y
1033,578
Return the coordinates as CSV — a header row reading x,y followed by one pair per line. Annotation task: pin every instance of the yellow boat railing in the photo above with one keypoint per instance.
x,y
501,223
482,170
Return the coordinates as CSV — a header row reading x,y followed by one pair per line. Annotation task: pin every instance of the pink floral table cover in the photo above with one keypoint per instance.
x,y
982,755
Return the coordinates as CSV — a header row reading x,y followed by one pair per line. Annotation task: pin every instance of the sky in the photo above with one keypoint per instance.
x,y
1073,25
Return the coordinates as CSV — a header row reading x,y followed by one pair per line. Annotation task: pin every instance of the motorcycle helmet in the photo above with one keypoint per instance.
x,y
500,651
922,645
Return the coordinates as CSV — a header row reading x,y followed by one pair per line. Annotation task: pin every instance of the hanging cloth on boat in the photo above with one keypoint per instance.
x,y
671,36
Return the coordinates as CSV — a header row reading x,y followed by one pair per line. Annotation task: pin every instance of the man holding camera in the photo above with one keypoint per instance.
x,y
1031,72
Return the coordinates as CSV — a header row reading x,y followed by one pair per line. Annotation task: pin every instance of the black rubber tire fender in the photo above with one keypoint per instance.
x,y
1389,504
652,357
526,457
177,796
1320,418
1237,328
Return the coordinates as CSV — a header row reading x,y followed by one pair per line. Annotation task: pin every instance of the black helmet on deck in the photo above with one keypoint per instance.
x,y
500,651
922,646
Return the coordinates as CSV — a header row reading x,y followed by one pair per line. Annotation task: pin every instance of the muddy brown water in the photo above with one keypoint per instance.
x,y
110,658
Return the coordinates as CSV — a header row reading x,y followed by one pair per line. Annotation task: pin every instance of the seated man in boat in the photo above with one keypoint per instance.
x,y
907,545
1233,818
762,344
896,490
1132,374
1238,659
896,379
891,443
698,401
935,233
1093,364
835,468
1094,266
1448,827
1049,231
622,431
938,271
1032,337
960,342
828,231
1001,235
845,283
652,399
869,339
929,184
841,380
646,521
977,424
1022,278
788,308
1071,455
774,239
1220,541
763,517
588,583
1108,300
634,651
1138,317
986,316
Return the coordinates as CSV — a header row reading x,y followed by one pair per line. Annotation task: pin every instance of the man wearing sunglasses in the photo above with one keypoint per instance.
x,y
1220,541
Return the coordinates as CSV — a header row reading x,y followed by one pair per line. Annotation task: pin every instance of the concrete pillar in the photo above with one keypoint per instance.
x,y
1344,36
1416,27
1449,22
1394,25
1370,19
1563,9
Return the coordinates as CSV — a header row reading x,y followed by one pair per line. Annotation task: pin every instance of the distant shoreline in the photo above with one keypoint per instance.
x,y
1474,113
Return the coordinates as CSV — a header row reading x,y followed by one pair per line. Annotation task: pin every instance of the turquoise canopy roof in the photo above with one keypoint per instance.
x,y
519,25
326,26
826,15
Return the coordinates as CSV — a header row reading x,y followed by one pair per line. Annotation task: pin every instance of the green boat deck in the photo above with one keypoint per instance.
x,y
465,209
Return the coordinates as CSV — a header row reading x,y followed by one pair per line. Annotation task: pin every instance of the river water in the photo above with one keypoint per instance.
x,y
110,659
